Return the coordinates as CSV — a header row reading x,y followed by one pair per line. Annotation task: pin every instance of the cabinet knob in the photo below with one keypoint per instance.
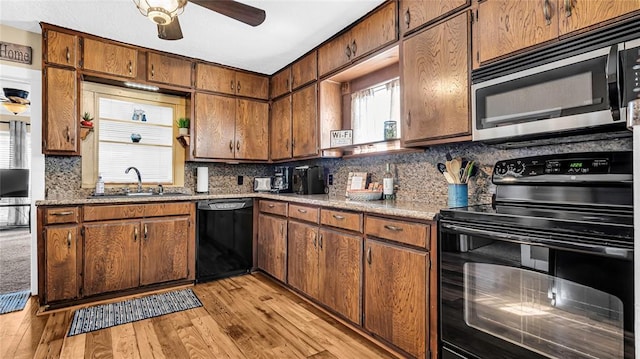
x,y
230,145
320,241
146,232
369,255
407,18
237,145
68,134
69,239
315,241
135,234
354,48
547,11
238,86
232,85
286,145
130,67
153,72
347,52
68,54
567,8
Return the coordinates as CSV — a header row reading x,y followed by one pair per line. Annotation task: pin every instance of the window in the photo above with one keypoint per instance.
x,y
131,128
135,134
371,107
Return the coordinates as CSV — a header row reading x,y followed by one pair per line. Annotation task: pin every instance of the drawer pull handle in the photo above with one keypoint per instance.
x,y
271,205
69,240
232,83
146,233
65,213
130,67
320,241
354,48
407,18
393,228
135,234
315,241
338,217
68,55
231,146
567,8
153,72
238,145
347,51
238,86
546,11
369,255
68,134
302,210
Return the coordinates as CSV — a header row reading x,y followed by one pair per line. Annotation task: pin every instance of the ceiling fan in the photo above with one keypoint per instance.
x,y
165,13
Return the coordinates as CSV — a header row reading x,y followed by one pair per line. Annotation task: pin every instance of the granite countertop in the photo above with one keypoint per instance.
x,y
415,210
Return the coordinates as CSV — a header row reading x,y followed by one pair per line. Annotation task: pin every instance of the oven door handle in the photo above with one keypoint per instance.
x,y
535,240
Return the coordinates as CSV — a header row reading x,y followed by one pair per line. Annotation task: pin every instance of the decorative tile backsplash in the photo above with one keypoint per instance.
x,y
417,176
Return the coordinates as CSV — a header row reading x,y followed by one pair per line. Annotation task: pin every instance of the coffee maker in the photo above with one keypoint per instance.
x,y
282,179
308,180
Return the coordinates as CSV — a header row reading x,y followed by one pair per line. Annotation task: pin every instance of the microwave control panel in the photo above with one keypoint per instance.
x,y
585,167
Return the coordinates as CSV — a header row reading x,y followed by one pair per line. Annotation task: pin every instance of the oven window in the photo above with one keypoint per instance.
x,y
551,316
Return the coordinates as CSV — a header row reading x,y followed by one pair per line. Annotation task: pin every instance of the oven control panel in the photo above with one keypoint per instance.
x,y
578,167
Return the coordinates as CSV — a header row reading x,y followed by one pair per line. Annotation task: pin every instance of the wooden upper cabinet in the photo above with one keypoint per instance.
x,y
251,131
250,85
575,15
375,31
214,121
215,78
280,129
163,255
304,109
280,83
304,70
61,48
168,69
435,83
414,13
506,26
396,296
61,264
60,125
109,58
224,80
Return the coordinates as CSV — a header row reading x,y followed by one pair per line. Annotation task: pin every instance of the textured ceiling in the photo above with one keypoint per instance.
x,y
291,28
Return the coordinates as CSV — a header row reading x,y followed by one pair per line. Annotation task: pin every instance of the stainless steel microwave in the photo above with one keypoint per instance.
x,y
585,91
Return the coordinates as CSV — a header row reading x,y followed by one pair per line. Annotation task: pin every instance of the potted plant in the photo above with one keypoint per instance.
x,y
86,120
183,126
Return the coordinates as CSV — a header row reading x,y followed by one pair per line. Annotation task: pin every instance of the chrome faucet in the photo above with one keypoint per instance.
x,y
139,178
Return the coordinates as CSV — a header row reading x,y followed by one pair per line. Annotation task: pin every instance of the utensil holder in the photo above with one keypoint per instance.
x,y
458,195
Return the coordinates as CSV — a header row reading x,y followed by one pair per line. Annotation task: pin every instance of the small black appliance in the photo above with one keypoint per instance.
x,y
308,180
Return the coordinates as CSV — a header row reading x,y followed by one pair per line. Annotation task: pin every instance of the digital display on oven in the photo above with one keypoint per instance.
x,y
574,167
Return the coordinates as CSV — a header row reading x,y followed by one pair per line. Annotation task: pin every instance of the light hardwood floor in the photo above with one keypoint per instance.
x,y
242,317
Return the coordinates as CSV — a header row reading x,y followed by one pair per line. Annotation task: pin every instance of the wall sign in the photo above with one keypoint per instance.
x,y
15,53
341,138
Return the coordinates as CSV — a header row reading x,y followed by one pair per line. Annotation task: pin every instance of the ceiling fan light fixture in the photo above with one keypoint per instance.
x,y
15,108
161,12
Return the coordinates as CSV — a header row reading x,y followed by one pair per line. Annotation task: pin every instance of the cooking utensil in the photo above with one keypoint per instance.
x,y
449,178
467,171
456,165
442,167
450,172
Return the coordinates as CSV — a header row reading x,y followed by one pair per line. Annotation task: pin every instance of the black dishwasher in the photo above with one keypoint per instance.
x,y
224,238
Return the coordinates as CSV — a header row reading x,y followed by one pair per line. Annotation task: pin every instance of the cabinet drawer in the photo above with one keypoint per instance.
x,y
304,213
167,209
61,215
345,220
279,208
101,213
416,234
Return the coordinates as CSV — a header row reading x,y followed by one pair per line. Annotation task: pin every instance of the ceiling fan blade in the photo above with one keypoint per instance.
x,y
245,13
171,31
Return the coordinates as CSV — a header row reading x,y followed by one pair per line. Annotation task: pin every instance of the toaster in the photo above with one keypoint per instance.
x,y
262,184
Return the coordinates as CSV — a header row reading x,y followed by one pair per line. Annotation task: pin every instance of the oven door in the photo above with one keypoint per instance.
x,y
508,295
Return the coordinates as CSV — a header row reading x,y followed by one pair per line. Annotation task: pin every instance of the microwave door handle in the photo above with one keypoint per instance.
x,y
519,117
613,91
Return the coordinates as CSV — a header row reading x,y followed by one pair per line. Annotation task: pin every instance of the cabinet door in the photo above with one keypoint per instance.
x,y
111,256
375,31
334,54
435,56
576,15
414,13
164,250
60,129
61,48
214,126
340,272
109,58
215,78
304,70
168,69
505,26
252,130
61,270
280,129
280,83
302,257
395,295
272,245
304,110
250,85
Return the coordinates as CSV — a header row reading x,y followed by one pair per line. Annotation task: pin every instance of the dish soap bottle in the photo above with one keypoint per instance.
x,y
99,186
387,183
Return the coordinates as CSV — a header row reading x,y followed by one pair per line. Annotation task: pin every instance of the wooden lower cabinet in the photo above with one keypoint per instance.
x,y
272,245
61,268
111,256
302,257
396,295
163,254
339,272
